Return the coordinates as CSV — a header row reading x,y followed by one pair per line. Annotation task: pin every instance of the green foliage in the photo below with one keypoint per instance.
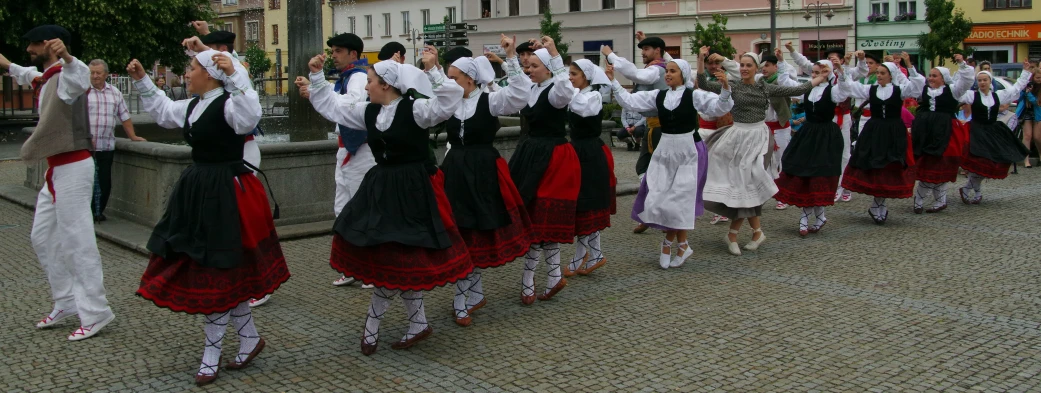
x,y
259,63
113,30
713,36
547,27
948,28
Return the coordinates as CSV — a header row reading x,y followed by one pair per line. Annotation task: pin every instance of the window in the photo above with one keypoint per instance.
x,y
230,2
543,6
486,8
451,14
350,24
762,48
608,5
674,51
880,7
275,4
426,16
514,7
907,10
228,28
405,23
665,7
368,25
575,5
274,34
1006,4
386,25
252,31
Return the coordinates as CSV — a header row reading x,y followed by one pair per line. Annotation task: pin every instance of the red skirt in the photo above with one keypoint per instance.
x,y
493,248
407,268
984,167
181,284
944,169
553,209
588,222
892,181
806,191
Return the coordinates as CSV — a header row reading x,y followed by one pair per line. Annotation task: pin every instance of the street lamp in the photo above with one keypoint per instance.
x,y
414,36
816,8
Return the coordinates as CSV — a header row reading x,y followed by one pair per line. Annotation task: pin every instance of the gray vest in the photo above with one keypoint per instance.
x,y
659,85
62,127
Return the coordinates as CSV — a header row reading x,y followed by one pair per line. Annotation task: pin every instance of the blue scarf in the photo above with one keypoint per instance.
x,y
352,139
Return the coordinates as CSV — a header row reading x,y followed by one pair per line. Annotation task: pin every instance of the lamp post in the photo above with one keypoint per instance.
x,y
414,36
816,8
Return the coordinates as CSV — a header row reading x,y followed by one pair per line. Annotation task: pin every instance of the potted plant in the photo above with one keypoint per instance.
x,y
877,17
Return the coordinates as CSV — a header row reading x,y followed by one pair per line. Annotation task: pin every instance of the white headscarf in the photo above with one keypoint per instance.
x,y
684,66
404,77
543,56
477,68
829,65
946,74
206,60
594,74
897,77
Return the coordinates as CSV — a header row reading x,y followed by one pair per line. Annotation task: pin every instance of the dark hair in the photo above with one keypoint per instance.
x,y
872,57
769,59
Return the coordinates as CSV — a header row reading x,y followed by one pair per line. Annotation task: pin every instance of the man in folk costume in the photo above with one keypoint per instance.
x,y
353,158
843,111
63,227
651,77
779,113
389,49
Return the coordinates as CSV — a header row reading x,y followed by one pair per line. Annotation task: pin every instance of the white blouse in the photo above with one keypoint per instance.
x,y
501,102
962,82
241,110
911,87
560,95
427,112
705,102
587,102
1004,96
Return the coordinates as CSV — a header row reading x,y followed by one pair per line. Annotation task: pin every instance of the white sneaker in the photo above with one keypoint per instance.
x,y
259,302
343,280
681,256
367,286
85,332
782,205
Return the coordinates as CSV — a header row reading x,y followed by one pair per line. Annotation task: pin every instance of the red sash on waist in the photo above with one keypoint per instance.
x,y
59,160
774,126
866,112
339,141
839,112
249,138
707,124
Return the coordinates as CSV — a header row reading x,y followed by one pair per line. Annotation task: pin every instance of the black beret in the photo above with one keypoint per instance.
x,y
390,49
872,57
455,53
838,52
48,32
653,42
525,47
347,40
770,59
219,37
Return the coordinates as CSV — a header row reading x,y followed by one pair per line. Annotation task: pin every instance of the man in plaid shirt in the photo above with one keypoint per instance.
x,y
104,105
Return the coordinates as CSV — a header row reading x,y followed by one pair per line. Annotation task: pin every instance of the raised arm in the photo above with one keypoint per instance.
x,y
242,110
74,80
646,76
1008,95
642,101
330,106
707,85
803,64
853,89
963,79
513,97
712,104
913,85
587,104
562,91
166,112
788,91
448,96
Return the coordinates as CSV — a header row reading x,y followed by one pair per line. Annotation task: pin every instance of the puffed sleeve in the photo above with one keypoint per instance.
x,y
23,75
913,85
335,109
587,104
448,96
562,91
242,110
1008,95
167,113
75,80
963,79
646,76
712,104
641,101
855,89
513,97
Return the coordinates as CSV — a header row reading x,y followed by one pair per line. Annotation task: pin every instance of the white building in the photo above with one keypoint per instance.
x,y
378,22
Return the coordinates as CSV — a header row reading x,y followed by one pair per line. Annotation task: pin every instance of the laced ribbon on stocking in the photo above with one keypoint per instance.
x,y
975,182
552,254
417,317
804,219
381,298
920,194
459,301
214,326
878,208
531,261
595,254
819,212
940,195
581,249
474,293
242,319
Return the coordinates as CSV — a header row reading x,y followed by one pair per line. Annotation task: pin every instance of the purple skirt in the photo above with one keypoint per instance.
x,y
678,209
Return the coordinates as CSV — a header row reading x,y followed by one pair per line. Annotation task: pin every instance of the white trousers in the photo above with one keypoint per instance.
x,y
251,153
847,124
781,137
63,238
349,176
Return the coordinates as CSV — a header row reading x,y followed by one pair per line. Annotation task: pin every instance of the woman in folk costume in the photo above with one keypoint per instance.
x,y
488,209
669,198
992,147
596,195
937,136
812,163
882,163
738,183
398,233
215,246
545,169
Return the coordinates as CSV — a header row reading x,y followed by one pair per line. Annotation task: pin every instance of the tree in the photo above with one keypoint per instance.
x,y
259,63
713,36
547,27
948,28
115,31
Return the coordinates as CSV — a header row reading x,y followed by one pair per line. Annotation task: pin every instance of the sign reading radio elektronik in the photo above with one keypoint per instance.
x,y
447,35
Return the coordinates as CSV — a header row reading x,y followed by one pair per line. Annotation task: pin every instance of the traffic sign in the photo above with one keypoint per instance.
x,y
461,26
459,42
456,34
434,35
437,43
433,28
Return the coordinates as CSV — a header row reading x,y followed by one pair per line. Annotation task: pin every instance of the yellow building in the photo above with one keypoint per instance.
x,y
277,38
1003,31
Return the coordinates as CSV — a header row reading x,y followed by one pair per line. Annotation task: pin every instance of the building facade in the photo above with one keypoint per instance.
x,y
1003,31
748,24
585,24
891,26
378,22
245,18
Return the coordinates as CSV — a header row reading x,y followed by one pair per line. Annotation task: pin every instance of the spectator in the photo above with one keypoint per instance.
x,y
634,127
160,83
798,115
105,103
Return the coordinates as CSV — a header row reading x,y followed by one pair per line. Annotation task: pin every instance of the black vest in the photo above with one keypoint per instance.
x,y
480,128
945,102
545,120
585,127
822,111
404,142
981,114
888,109
211,138
681,120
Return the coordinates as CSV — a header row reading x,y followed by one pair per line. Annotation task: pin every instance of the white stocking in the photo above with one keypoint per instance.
x,y
581,248
459,301
975,182
819,212
552,254
474,294
242,320
878,207
380,301
214,325
595,253
417,314
804,220
531,261
940,194
920,192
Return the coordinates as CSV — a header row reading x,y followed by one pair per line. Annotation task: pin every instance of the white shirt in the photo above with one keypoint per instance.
x,y
705,102
560,95
355,90
427,112
587,102
241,110
74,77
860,71
910,87
1004,96
506,101
644,76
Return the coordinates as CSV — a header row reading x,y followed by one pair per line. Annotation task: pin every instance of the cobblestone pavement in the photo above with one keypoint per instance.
x,y
939,302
